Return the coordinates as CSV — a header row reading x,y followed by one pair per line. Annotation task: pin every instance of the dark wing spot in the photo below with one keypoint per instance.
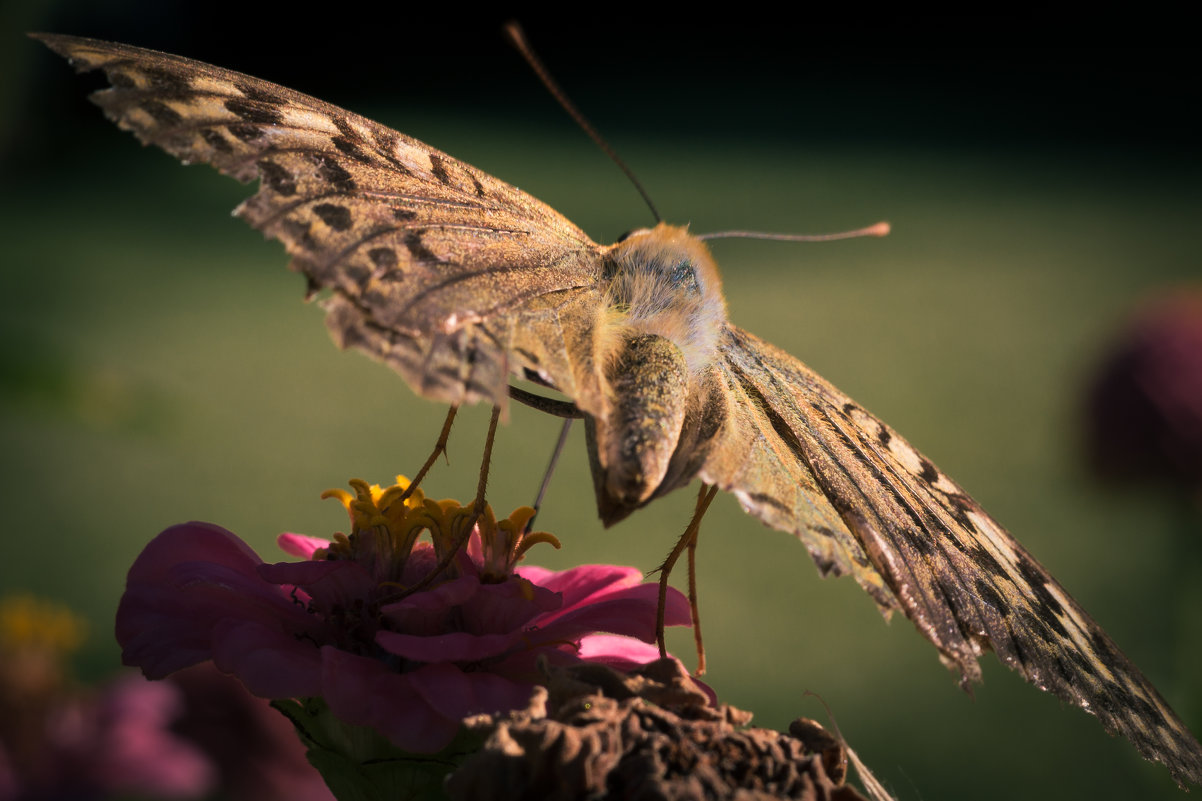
x,y
404,215
349,141
768,500
170,84
1107,654
333,173
929,474
335,216
383,258
476,388
356,273
311,287
120,80
986,561
1050,606
345,128
1034,626
883,436
440,170
351,148
277,178
962,505
825,565
417,248
1081,663
1047,621
254,112
162,113
476,183
918,539
245,131
386,146
254,93
297,231
215,140
992,598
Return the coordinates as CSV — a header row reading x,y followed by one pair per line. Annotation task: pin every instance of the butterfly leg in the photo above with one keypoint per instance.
x,y
555,454
440,447
477,509
687,540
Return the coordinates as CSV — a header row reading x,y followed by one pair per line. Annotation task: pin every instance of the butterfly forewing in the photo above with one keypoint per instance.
x,y
436,268
959,576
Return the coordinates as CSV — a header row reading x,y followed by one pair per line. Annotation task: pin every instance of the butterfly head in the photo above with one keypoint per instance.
x,y
663,281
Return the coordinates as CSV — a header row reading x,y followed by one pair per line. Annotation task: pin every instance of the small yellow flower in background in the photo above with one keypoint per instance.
x,y
27,622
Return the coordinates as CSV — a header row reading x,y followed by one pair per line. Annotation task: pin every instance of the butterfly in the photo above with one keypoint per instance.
x,y
460,282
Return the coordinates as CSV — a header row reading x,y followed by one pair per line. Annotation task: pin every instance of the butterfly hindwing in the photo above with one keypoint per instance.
x,y
435,267
959,576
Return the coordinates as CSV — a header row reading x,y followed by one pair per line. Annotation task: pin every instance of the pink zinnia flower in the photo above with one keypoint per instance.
x,y
345,626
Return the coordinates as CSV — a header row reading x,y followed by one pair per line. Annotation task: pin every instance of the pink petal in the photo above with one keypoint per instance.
x,y
270,663
628,611
193,542
364,692
327,583
617,652
581,584
508,606
185,581
300,544
425,612
457,694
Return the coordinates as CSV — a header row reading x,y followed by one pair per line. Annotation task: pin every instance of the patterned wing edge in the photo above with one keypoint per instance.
x,y
962,579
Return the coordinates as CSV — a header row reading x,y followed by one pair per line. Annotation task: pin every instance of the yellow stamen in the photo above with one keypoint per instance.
x,y
384,530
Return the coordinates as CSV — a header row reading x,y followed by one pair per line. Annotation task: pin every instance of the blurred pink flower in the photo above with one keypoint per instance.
x,y
59,740
342,626
123,743
1145,406
254,749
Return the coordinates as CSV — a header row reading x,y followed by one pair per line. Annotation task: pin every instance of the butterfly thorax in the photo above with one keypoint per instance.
x,y
664,282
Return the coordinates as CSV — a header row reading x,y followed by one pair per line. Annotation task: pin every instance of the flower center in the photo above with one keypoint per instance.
x,y
387,523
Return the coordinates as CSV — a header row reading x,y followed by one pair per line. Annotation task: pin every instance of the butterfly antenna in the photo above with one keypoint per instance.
x,y
517,37
880,229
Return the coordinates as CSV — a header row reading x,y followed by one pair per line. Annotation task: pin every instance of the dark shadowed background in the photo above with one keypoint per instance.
x,y
158,364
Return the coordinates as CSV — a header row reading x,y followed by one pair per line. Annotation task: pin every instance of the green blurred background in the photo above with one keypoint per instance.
x,y
158,364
